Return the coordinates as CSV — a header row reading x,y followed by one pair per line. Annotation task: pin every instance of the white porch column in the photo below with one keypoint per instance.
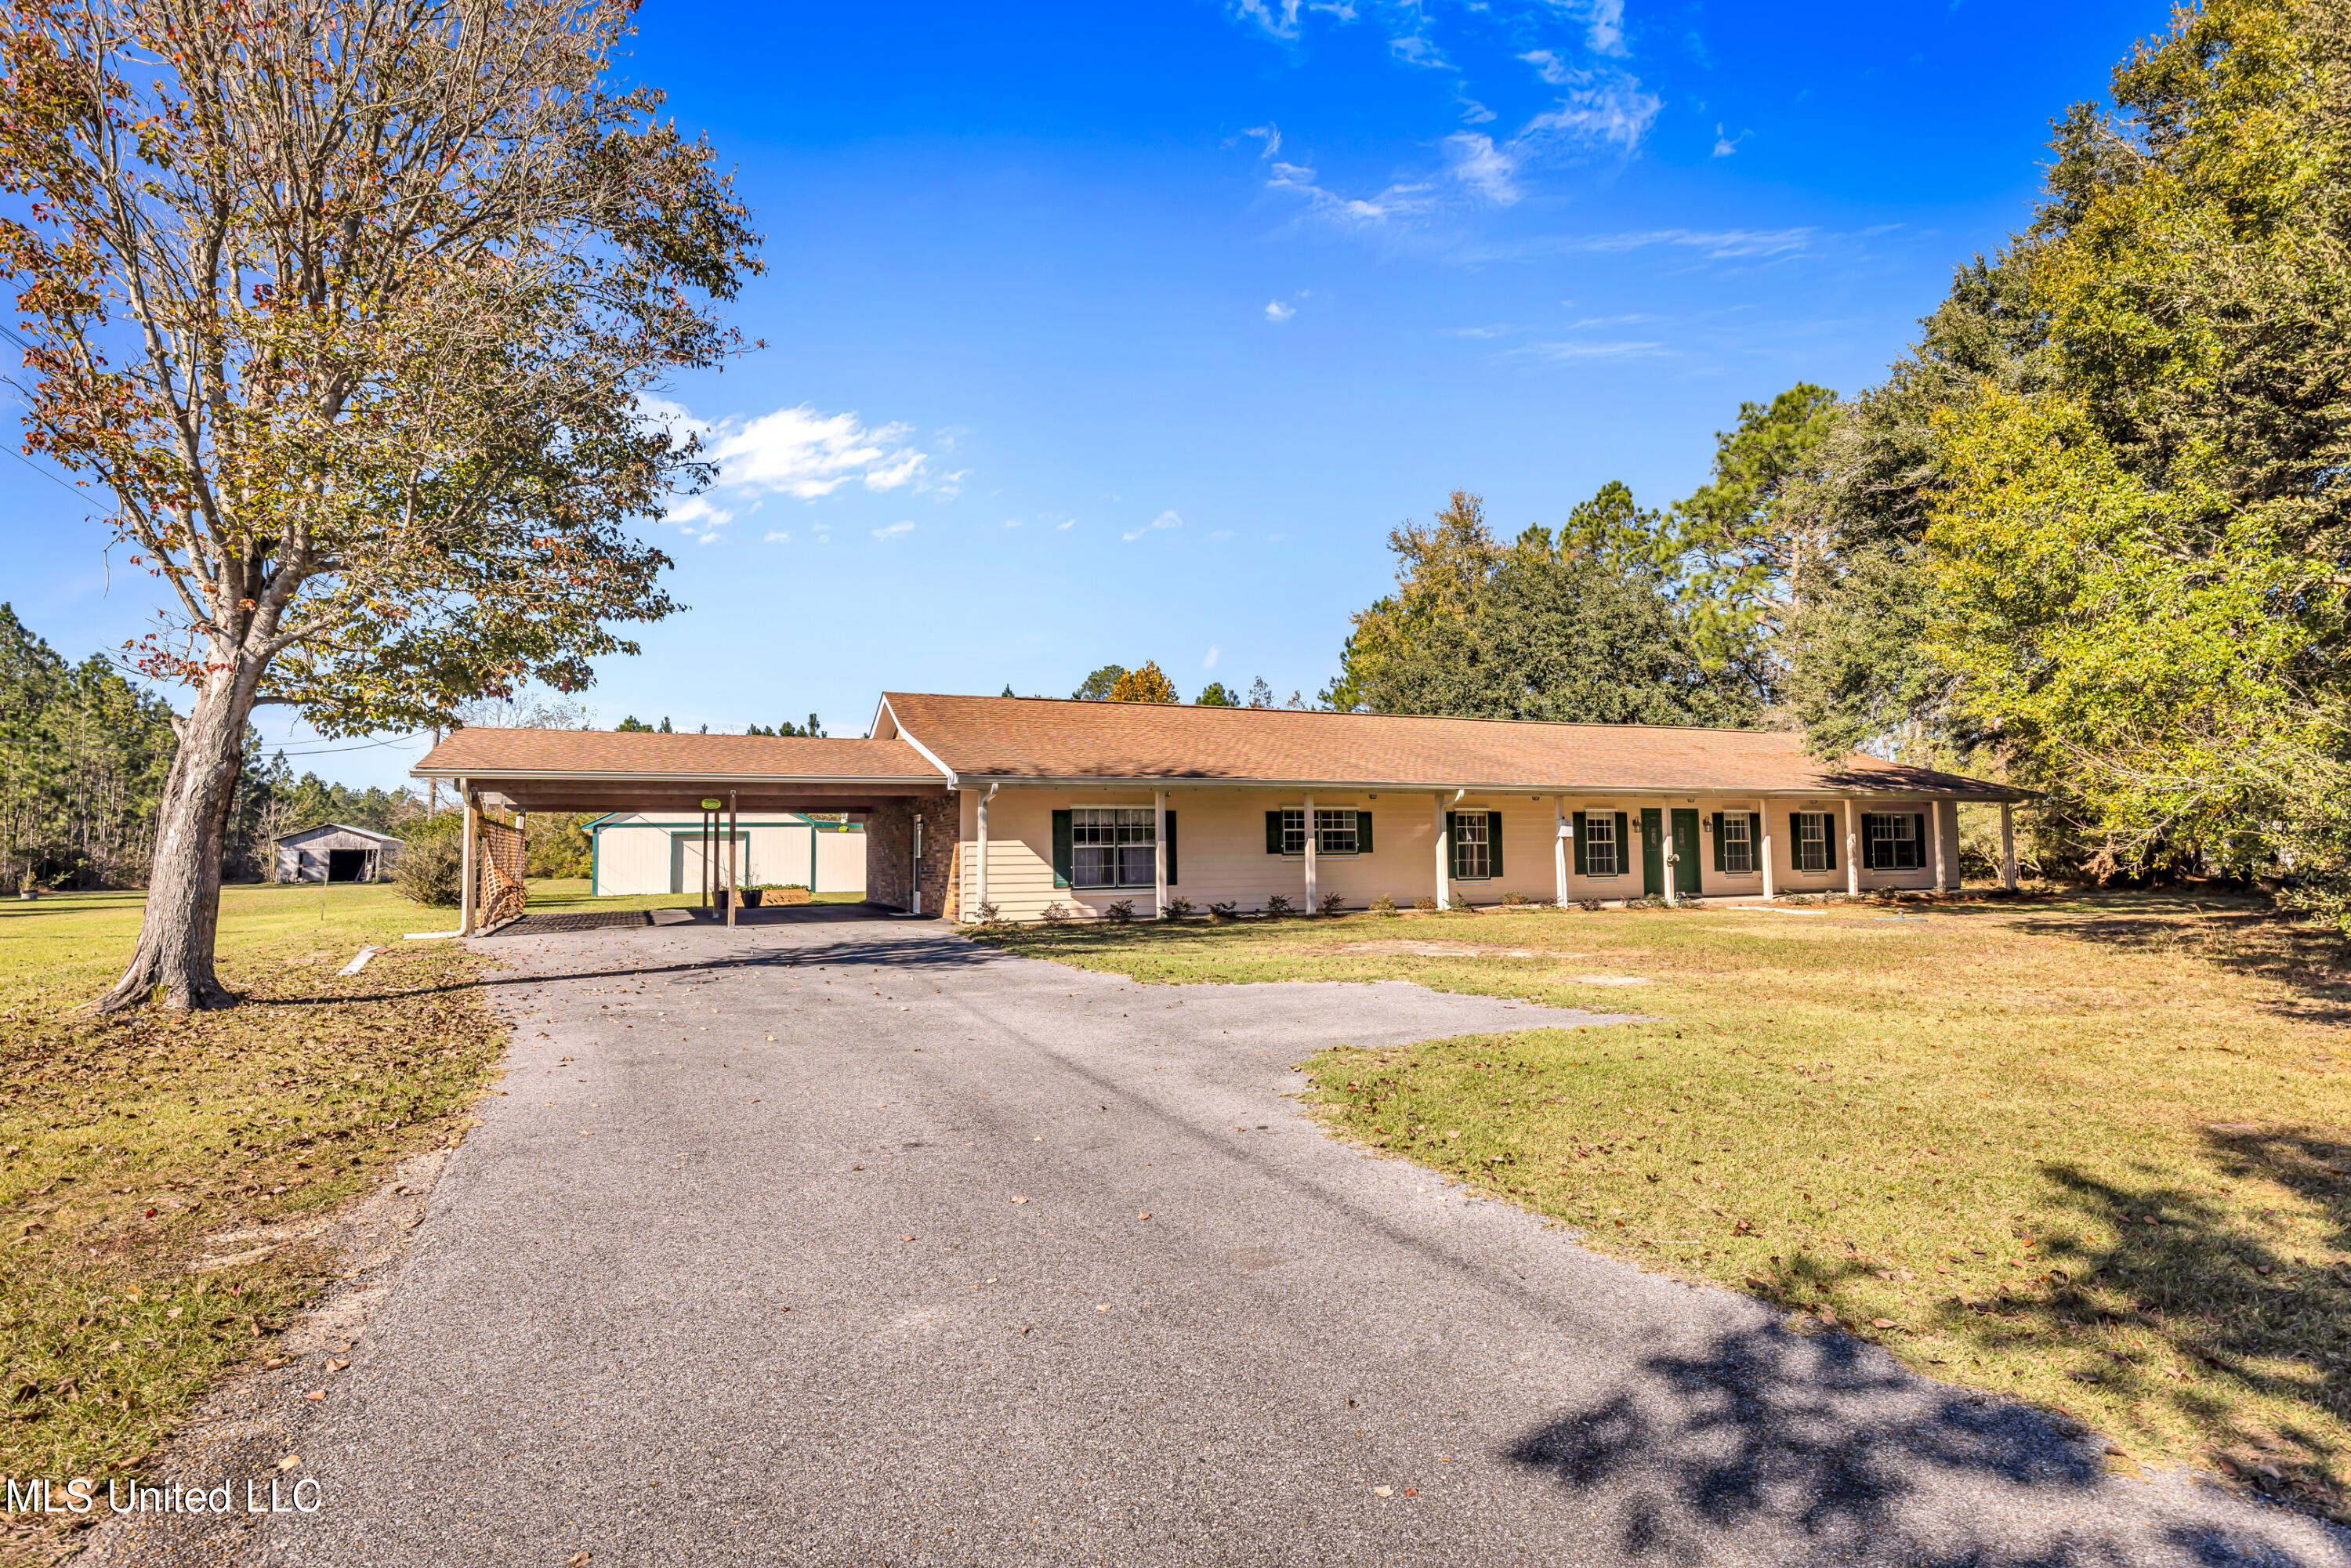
x,y
1851,854
2008,845
980,871
466,860
1771,872
1666,852
1312,906
1159,854
1935,826
1563,831
1444,859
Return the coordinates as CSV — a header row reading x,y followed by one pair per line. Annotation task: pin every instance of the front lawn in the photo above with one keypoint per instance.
x,y
138,1154
2090,1151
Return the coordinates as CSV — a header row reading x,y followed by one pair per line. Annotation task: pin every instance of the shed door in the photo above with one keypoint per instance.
x,y
346,865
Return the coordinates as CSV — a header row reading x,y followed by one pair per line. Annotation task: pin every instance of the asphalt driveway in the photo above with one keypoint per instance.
x,y
853,1242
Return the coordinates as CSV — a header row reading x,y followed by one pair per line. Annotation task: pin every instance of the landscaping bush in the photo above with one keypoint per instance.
x,y
1383,905
1055,913
1180,908
1425,903
1121,912
1221,911
1277,906
430,869
1334,904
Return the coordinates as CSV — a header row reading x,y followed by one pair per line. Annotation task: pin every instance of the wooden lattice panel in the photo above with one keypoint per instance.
x,y
500,896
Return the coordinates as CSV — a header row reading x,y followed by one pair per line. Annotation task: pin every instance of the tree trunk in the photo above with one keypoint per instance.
x,y
174,961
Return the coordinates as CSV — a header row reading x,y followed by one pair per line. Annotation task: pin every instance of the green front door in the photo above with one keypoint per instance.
x,y
1686,879
1653,851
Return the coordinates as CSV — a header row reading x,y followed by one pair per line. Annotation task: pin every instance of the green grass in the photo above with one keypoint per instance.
x,y
127,1144
2090,1151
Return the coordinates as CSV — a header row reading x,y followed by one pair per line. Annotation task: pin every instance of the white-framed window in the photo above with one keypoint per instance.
x,y
1737,843
1603,855
1110,846
1812,845
1334,830
1473,850
1894,840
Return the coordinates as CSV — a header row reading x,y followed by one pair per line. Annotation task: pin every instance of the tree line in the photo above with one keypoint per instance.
x,y
2091,534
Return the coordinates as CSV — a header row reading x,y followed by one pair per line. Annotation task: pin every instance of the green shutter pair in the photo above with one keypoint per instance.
x,y
1493,842
1796,836
1065,856
1273,833
1583,861
1754,841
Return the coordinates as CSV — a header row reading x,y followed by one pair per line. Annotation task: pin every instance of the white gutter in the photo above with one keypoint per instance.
x,y
1362,786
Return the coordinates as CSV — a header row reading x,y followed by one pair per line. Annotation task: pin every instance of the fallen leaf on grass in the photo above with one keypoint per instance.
x,y
316,1394
290,1461
1144,1216
1019,1200
1383,1491
577,1560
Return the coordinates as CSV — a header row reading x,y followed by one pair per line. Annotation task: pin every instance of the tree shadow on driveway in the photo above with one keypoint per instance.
x,y
1814,1447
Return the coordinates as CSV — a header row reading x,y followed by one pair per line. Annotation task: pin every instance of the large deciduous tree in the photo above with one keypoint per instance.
x,y
349,307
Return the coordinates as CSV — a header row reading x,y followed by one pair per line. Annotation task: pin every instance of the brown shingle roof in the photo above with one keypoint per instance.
x,y
489,753
1040,737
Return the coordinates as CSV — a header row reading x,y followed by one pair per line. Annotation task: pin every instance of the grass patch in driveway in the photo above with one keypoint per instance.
x,y
2089,1152
149,1163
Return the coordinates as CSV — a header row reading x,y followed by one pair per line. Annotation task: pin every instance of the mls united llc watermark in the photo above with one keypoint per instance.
x,y
81,1496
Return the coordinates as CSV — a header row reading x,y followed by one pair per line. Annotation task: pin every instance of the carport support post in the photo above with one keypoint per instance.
x,y
1158,853
465,861
2008,845
1851,854
734,882
1444,859
1561,832
1312,906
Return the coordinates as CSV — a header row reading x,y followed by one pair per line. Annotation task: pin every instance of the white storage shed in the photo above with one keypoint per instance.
x,y
656,852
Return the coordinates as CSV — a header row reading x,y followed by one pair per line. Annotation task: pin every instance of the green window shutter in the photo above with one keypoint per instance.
x,y
1755,838
1719,864
1171,849
1623,843
1363,832
1064,858
1868,848
1273,833
1452,844
1494,842
1795,837
1918,839
1828,836
1582,860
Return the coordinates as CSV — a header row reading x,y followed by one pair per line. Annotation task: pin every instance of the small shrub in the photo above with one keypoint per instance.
x,y
1224,911
1277,906
1334,904
1591,906
1514,899
1655,901
1383,905
989,914
1179,909
429,871
1121,913
1055,913
1425,903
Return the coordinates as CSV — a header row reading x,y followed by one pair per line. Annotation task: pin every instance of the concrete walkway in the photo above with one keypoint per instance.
x,y
856,1243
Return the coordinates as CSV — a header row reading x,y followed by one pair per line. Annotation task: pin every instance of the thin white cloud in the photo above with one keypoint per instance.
x,y
1210,662
776,536
1603,109
1485,168
1724,146
894,530
1549,66
1065,528
802,453
1277,312
1567,350
1164,520
1398,201
1269,133
1011,522
1604,35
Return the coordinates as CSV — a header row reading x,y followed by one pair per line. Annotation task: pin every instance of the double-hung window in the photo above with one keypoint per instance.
x,y
1110,846
1894,841
1473,850
1811,846
1603,855
1335,831
1737,843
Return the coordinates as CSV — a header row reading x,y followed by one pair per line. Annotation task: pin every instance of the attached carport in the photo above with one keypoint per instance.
x,y
887,784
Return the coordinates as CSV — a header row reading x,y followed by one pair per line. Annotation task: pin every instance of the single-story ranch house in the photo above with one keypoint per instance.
x,y
1027,806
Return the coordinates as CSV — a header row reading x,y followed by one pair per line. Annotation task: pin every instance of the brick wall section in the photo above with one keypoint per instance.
x,y
889,846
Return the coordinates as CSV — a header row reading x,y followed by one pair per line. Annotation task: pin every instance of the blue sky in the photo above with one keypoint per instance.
x,y
1104,333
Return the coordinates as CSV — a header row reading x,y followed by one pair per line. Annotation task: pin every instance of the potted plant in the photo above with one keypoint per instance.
x,y
751,895
25,888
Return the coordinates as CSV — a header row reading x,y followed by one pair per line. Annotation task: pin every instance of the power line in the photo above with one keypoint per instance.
x,y
72,490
